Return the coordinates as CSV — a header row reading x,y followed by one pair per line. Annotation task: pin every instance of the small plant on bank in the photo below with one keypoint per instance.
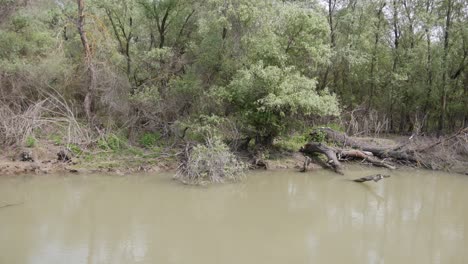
x,y
149,140
30,142
111,142
211,162
57,139
75,149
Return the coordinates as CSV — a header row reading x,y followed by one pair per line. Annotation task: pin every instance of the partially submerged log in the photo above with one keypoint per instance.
x,y
376,178
10,204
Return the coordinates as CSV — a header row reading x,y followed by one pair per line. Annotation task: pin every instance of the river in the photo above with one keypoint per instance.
x,y
415,216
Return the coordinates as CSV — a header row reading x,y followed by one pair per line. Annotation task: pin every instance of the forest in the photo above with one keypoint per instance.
x,y
251,72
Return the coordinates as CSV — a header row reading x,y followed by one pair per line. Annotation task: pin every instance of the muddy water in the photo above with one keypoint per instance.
x,y
272,217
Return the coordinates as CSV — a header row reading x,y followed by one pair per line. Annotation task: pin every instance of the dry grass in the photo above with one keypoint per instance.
x,y
17,122
362,122
448,153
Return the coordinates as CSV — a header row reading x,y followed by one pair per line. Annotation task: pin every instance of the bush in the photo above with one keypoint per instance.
x,y
211,162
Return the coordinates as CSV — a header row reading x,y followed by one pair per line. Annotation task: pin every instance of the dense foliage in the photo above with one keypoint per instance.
x,y
149,66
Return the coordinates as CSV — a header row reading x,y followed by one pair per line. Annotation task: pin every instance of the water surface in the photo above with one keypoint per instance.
x,y
272,217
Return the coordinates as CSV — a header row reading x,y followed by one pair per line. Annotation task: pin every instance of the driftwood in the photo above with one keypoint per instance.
x,y
376,178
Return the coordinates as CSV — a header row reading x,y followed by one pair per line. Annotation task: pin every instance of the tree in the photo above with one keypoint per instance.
x,y
267,98
120,14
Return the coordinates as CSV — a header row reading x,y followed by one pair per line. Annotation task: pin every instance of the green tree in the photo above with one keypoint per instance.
x,y
268,98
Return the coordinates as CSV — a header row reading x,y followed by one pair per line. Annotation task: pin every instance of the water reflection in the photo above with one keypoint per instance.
x,y
272,217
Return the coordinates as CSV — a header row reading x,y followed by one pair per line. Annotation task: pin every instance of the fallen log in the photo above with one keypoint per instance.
x,y
344,141
332,154
442,154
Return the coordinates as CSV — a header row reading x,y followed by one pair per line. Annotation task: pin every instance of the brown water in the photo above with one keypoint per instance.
x,y
273,217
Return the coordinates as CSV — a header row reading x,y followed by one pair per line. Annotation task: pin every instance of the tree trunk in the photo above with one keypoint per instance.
x,y
396,42
443,96
429,77
88,62
374,57
465,96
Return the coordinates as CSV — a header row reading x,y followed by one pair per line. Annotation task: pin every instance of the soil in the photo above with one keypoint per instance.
x,y
45,160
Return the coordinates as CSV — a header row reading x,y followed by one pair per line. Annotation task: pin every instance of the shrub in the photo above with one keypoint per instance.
x,y
211,162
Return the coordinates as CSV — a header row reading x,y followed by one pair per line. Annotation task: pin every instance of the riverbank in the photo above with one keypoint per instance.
x,y
134,159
